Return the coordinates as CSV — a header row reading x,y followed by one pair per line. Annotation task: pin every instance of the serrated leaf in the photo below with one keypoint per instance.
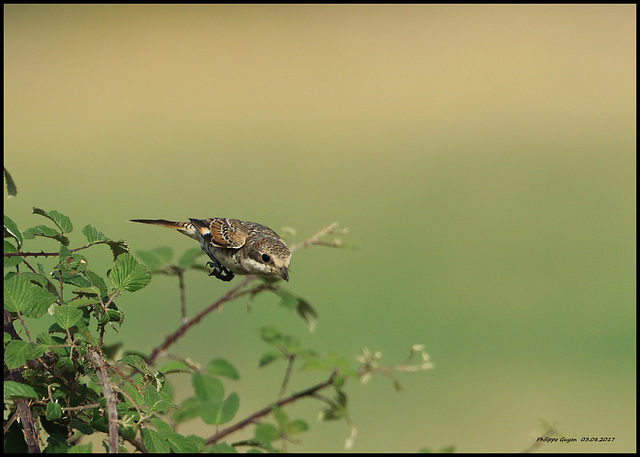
x,y
11,229
154,442
18,295
207,388
67,316
62,221
11,261
118,247
128,274
96,280
41,230
18,352
92,234
216,413
13,389
187,410
54,411
135,361
175,366
155,259
183,444
221,367
12,190
42,300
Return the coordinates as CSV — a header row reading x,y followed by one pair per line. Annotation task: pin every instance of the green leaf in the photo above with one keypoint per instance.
x,y
82,448
11,261
221,367
297,426
135,361
42,300
302,307
12,190
128,274
18,352
216,413
154,442
62,221
67,316
96,280
270,335
92,234
183,444
207,388
229,408
187,410
189,257
117,247
269,357
18,294
14,389
11,229
266,433
175,366
54,411
155,259
307,313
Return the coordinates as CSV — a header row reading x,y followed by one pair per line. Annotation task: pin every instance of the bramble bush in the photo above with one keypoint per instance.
x,y
64,384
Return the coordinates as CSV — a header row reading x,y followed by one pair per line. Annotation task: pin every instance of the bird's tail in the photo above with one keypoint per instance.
x,y
183,227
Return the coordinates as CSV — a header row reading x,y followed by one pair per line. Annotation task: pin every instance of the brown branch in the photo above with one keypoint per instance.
x,y
45,254
171,339
22,404
107,390
264,411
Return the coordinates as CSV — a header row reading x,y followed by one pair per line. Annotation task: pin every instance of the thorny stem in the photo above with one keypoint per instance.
x,y
42,253
107,390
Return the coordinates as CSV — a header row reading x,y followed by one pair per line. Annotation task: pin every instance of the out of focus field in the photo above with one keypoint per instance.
x,y
482,157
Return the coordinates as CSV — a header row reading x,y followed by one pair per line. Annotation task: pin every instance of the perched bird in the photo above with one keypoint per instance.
x,y
235,247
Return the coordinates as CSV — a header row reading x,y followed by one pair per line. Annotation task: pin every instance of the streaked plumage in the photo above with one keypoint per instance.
x,y
234,246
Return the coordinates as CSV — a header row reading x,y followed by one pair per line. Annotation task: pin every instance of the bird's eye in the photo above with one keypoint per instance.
x,y
265,258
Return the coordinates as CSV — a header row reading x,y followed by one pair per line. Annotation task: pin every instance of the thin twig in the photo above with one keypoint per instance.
x,y
264,411
45,254
171,339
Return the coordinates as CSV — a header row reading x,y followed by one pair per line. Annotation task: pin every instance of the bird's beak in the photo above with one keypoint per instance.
x,y
284,273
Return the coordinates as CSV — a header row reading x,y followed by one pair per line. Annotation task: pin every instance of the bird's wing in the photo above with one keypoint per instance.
x,y
222,232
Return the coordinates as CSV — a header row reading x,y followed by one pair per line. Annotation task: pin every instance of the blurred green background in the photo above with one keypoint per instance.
x,y
482,157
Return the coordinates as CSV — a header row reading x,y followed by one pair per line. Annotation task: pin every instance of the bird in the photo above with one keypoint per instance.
x,y
235,246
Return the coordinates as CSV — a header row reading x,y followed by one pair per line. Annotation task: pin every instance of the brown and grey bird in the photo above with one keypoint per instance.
x,y
234,246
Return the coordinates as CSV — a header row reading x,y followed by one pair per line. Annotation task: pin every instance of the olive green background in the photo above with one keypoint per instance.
x,y
482,157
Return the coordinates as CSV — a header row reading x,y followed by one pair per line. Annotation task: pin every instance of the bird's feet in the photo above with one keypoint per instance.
x,y
219,271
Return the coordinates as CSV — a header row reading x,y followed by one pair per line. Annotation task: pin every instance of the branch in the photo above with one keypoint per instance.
x,y
264,411
235,292
315,239
171,339
103,377
22,404
45,254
